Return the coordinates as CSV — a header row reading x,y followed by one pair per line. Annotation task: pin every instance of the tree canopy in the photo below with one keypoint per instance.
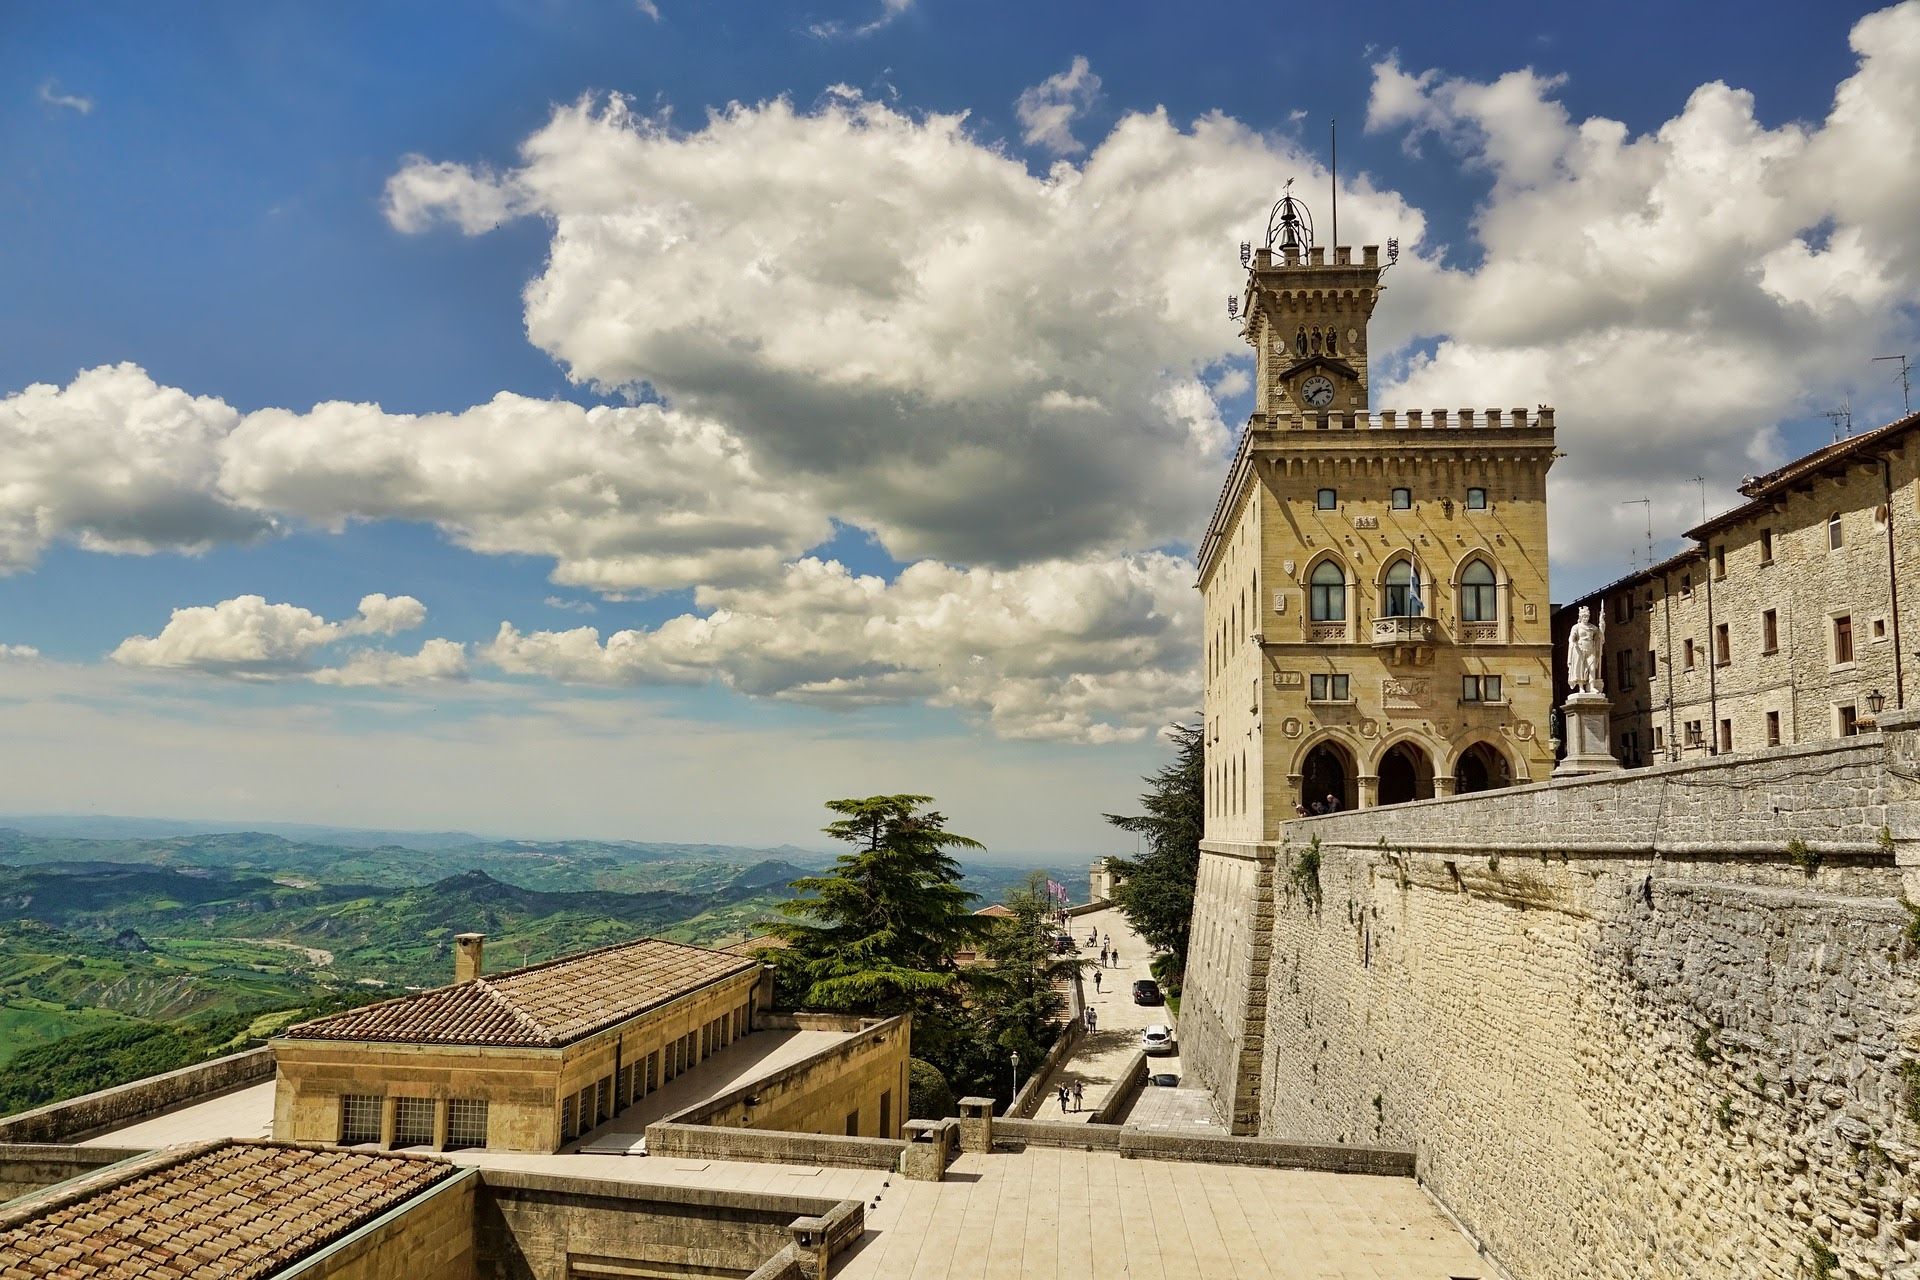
x,y
878,933
1156,888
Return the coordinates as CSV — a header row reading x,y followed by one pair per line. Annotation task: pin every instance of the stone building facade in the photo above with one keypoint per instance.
x,y
1377,619
1787,618
526,1060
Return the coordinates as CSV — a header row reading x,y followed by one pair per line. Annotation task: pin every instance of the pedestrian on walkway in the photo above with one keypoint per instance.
x,y
1096,982
1061,1094
1079,1094
1116,959
1090,1018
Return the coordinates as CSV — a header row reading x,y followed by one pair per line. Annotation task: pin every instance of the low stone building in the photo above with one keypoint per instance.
x,y
247,1211
525,1060
1785,621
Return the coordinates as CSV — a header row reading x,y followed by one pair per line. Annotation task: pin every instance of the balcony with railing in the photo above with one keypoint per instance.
x,y
1409,639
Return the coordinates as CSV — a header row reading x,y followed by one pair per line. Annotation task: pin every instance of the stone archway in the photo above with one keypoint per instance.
x,y
1481,768
1406,773
1326,771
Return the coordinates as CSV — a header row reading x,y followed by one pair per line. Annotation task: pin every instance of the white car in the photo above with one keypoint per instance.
x,y
1157,1038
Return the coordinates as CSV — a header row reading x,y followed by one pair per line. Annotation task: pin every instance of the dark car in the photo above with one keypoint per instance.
x,y
1147,991
1062,943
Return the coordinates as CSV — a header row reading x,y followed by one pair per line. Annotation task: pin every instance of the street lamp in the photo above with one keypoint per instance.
x,y
1015,1058
1875,701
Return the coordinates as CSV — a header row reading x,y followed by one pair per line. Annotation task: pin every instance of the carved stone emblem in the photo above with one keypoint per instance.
x,y
1407,694
1290,726
1523,730
1288,679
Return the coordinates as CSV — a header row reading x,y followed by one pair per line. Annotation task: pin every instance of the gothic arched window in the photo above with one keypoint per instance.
x,y
1402,596
1479,602
1329,595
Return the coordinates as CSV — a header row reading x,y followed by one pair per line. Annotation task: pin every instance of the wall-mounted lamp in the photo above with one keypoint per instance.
x,y
1875,701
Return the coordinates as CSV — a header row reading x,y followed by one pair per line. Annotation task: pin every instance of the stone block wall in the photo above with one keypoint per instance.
x,y
28,1167
862,1080
1659,1024
1223,1002
429,1238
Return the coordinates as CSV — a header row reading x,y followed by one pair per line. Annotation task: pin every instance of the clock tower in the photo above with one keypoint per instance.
x,y
1307,319
1374,588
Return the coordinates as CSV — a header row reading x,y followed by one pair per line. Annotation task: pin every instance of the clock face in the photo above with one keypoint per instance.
x,y
1317,391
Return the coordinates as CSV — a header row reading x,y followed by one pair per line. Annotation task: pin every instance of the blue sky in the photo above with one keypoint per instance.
x,y
251,204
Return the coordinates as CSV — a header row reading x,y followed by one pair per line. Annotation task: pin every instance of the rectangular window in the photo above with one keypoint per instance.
x,y
853,1123
1836,537
1328,688
623,1087
1726,736
1719,562
1622,608
603,1099
1476,499
1879,628
1843,638
1766,546
1770,632
1722,645
653,1071
1659,739
585,1109
1694,738
1480,688
886,1113
1686,584
1773,728
1688,663
569,1122
1402,499
1328,500
466,1122
360,1118
413,1122
1849,721
1653,663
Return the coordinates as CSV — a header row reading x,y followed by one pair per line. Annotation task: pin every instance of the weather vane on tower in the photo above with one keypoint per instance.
x,y
1290,223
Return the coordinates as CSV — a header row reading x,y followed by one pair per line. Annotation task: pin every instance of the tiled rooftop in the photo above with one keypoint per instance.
x,y
540,1006
231,1212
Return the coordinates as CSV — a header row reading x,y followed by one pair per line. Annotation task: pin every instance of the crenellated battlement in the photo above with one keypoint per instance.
x,y
1517,419
1293,259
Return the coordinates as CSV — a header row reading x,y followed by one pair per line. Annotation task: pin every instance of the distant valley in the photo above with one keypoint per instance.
x,y
135,948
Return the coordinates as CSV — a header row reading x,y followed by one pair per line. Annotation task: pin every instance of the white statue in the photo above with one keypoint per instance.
x,y
1586,646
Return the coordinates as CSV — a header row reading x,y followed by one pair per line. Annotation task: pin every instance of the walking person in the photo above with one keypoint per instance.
x,y
1061,1094
1116,959
1096,982
1079,1094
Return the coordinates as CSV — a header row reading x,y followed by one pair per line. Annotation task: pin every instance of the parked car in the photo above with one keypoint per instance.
x,y
1157,1039
1164,1080
1147,991
1062,943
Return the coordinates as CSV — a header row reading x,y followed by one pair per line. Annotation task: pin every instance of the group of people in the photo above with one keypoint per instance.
x,y
1313,808
1075,1093
1109,956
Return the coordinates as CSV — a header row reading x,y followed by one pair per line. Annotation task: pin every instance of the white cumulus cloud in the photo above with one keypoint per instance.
x,y
1047,110
1081,651
249,638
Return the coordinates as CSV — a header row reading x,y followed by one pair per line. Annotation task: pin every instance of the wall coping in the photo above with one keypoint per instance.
x,y
1140,1144
772,1202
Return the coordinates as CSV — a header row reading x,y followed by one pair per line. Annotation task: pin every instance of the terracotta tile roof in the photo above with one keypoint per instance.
x,y
1759,489
540,1006
234,1211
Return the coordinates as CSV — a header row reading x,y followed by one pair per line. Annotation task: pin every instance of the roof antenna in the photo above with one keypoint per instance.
x,y
1647,503
1333,178
1906,381
1841,418
1702,482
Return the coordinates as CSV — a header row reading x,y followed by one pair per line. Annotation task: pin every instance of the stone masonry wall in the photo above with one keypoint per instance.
x,y
1659,1024
1222,997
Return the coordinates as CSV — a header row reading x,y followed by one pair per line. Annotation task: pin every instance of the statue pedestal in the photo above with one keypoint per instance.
x,y
1588,731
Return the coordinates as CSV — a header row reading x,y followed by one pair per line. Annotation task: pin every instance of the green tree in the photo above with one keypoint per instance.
x,y
1156,888
1018,989
929,1096
877,935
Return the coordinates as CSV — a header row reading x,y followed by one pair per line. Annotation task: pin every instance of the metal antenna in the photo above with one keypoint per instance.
x,y
1333,175
1906,380
1702,482
1647,504
1841,418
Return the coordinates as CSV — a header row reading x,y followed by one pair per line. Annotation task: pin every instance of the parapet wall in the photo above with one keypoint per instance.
x,y
1663,1023
1468,419
92,1113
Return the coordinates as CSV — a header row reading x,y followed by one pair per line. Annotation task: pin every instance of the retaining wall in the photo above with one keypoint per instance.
x,y
92,1113
1659,1023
